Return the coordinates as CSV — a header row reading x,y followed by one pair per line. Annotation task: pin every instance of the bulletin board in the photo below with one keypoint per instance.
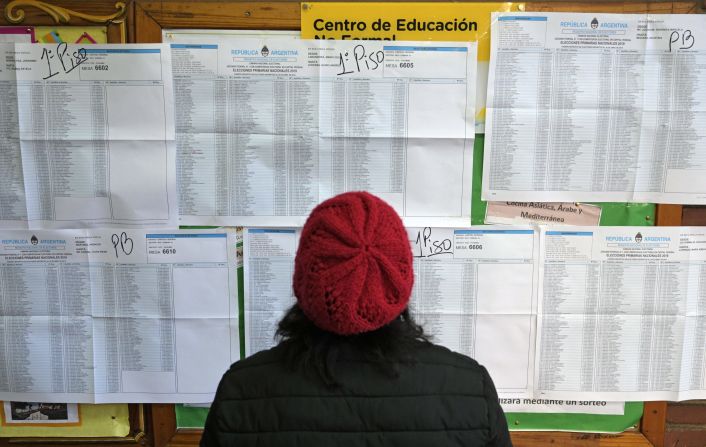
x,y
181,424
142,21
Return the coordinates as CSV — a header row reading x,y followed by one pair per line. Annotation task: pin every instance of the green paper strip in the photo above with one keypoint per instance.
x,y
593,423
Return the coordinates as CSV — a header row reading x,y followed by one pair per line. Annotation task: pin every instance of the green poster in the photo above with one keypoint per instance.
x,y
190,417
594,423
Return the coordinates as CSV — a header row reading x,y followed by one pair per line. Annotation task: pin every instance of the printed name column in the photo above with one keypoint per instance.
x,y
301,144
197,127
268,294
565,279
444,294
13,208
514,109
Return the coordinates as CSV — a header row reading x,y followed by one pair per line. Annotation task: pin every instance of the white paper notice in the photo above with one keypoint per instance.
x,y
268,270
88,136
474,293
16,34
40,413
622,314
116,315
269,128
596,107
523,213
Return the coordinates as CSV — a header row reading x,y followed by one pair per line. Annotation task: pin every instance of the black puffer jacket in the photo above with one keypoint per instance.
x,y
444,399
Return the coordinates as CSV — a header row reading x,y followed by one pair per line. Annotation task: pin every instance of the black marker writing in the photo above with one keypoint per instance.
x,y
426,246
364,61
48,56
125,243
68,61
687,40
342,58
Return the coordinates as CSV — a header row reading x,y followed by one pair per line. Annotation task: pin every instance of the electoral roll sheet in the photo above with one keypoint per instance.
x,y
622,313
87,136
116,315
596,107
474,293
268,128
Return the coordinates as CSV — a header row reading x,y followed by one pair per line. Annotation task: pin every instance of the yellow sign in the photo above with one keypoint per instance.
x,y
403,21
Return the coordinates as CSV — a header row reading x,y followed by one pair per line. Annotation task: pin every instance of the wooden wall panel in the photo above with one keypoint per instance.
x,y
146,28
654,422
42,13
694,215
677,7
223,14
669,215
113,14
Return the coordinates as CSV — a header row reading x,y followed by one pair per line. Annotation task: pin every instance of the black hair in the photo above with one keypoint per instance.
x,y
315,351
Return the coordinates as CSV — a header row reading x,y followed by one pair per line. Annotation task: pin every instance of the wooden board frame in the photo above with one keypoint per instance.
x,y
152,16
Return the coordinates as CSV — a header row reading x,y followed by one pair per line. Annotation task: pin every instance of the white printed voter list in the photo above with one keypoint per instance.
x,y
116,315
474,292
622,313
596,107
88,136
268,128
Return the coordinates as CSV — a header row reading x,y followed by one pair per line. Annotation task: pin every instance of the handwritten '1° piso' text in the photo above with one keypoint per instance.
x,y
426,245
359,60
59,60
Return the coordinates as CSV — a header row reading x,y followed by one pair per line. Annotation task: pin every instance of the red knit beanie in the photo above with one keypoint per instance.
x,y
353,270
